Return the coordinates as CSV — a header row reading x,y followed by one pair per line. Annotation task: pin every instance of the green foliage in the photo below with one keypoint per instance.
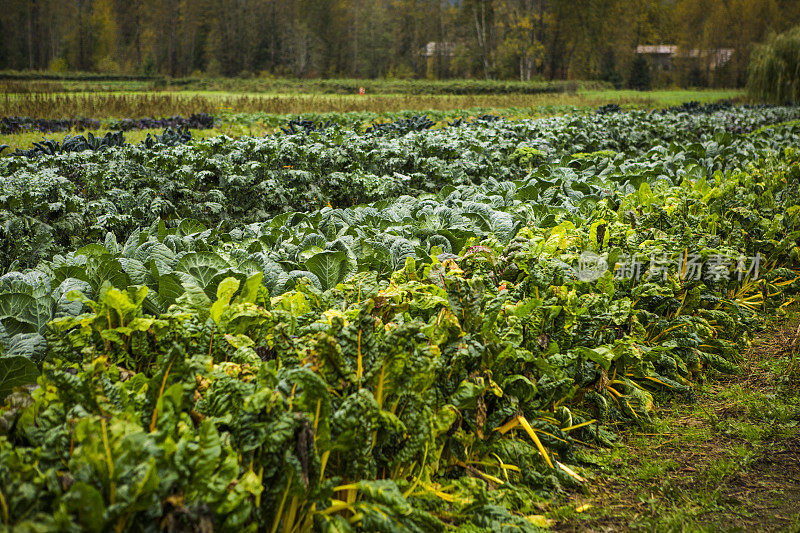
x,y
396,47
55,204
774,72
526,156
408,365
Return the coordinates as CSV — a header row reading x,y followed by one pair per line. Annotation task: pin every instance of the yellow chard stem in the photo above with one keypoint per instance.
x,y
359,362
532,434
323,464
4,508
288,522
277,520
112,489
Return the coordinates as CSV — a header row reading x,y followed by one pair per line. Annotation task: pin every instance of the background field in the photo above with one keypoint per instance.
x,y
120,104
81,81
257,113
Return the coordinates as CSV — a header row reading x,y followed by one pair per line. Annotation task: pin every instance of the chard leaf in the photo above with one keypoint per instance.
x,y
225,291
87,503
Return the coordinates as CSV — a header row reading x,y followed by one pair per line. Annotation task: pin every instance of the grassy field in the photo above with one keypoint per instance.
x,y
133,104
124,104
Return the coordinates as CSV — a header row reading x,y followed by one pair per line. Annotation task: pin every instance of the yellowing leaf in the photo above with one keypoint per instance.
x,y
225,291
540,520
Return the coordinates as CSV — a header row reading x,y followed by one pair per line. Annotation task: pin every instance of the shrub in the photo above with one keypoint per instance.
x,y
774,73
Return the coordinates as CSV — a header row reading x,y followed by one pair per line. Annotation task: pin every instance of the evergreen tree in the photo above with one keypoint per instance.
x,y
641,77
609,71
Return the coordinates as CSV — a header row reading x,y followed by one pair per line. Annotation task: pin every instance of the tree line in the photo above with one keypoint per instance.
x,y
491,39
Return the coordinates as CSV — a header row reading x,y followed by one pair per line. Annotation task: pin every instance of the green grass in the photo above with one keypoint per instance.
x,y
663,98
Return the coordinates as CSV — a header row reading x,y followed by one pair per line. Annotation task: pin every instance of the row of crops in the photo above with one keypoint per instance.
x,y
11,125
412,328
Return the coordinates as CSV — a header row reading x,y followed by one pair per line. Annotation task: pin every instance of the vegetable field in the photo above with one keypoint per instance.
x,y
413,325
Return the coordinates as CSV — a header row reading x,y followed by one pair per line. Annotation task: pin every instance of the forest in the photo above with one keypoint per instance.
x,y
434,39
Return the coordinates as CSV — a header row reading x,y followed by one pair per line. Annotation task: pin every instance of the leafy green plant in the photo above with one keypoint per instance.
x,y
420,363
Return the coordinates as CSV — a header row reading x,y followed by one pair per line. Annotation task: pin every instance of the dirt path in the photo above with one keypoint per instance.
x,y
730,462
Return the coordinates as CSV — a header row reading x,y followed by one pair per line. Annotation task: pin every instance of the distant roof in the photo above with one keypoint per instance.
x,y
658,49
442,48
716,57
671,49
